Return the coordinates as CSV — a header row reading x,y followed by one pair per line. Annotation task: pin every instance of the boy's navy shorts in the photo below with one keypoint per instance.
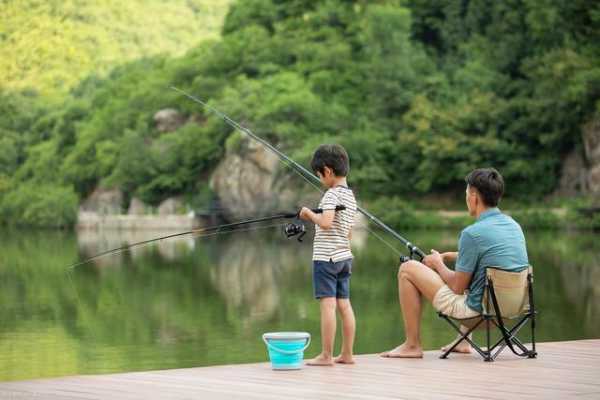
x,y
332,279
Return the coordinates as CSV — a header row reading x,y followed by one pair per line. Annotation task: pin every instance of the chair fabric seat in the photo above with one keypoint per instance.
x,y
511,289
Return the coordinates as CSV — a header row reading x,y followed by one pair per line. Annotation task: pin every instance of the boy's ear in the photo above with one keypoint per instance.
x,y
327,171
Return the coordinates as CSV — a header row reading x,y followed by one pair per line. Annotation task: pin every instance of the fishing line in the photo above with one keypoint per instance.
x,y
414,251
197,233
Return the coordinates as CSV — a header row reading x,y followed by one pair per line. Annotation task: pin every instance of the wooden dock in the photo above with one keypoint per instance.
x,y
563,370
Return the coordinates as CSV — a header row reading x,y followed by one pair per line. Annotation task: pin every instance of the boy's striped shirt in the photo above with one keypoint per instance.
x,y
333,244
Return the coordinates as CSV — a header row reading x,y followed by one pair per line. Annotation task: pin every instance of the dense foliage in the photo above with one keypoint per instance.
x,y
49,46
419,92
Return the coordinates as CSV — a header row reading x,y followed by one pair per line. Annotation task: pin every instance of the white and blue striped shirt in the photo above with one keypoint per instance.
x,y
333,244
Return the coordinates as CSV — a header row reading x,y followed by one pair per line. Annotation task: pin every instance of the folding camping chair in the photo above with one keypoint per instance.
x,y
507,297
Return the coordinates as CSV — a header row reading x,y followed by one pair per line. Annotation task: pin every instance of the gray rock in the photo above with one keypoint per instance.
x,y
136,207
574,176
591,144
168,120
252,181
171,206
103,202
580,172
594,180
591,141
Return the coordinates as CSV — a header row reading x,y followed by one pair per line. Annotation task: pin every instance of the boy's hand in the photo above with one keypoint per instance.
x,y
305,213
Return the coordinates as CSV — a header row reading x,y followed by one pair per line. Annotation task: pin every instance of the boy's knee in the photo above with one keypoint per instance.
x,y
343,305
328,302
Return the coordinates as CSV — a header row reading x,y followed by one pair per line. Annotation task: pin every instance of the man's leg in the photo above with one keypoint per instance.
x,y
328,322
414,279
348,331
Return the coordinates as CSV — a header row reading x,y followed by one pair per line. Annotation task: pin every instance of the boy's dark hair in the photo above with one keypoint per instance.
x,y
333,156
489,183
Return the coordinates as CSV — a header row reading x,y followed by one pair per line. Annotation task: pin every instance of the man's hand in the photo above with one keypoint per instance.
x,y
433,260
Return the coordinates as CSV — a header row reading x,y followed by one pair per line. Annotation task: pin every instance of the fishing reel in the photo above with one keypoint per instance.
x,y
293,229
297,228
414,253
404,259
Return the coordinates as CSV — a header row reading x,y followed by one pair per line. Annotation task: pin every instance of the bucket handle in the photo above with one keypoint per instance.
x,y
288,352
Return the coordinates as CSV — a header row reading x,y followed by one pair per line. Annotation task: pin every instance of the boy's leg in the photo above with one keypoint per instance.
x,y
414,279
348,331
346,312
328,322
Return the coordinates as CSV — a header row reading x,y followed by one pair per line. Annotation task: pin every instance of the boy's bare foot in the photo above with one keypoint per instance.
x,y
321,361
343,359
463,347
404,351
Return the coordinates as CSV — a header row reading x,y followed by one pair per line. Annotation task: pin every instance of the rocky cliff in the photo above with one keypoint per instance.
x,y
581,168
251,181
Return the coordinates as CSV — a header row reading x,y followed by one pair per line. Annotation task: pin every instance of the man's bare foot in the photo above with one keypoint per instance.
x,y
463,347
404,351
344,359
321,361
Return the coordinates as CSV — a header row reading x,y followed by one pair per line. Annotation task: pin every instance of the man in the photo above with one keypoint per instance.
x,y
495,239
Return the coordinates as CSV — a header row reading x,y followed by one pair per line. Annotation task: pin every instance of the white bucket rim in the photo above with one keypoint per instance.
x,y
286,336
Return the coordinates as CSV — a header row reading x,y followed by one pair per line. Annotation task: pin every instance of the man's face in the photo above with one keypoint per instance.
x,y
471,200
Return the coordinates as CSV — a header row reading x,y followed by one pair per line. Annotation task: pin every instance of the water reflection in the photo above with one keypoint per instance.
x,y
190,302
247,274
91,242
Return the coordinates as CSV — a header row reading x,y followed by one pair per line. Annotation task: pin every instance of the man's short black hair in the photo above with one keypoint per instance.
x,y
333,156
489,183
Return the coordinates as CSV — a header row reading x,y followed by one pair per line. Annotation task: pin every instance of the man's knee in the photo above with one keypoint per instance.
x,y
407,268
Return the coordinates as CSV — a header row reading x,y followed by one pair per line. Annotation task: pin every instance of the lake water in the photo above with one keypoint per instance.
x,y
192,302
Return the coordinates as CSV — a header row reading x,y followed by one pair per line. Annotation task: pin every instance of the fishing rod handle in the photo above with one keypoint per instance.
x,y
320,210
415,253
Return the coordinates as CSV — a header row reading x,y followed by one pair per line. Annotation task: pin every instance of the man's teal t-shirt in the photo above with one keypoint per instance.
x,y
494,240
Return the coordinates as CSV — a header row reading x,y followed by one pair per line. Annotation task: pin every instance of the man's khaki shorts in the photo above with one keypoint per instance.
x,y
452,304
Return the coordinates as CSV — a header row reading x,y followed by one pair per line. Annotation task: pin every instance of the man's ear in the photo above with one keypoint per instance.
x,y
327,171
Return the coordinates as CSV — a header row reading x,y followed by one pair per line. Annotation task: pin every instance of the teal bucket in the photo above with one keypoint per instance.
x,y
286,349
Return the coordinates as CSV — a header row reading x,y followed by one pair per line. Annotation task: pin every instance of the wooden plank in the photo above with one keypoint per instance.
x,y
563,369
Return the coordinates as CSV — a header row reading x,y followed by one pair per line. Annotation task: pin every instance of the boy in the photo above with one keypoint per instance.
x,y
332,258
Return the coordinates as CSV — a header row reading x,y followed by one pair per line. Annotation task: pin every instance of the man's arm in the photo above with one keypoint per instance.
x,y
450,256
457,281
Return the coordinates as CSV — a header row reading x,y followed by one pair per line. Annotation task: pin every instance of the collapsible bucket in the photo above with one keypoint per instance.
x,y
286,349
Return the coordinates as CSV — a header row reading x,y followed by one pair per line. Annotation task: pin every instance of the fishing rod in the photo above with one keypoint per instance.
x,y
290,230
414,251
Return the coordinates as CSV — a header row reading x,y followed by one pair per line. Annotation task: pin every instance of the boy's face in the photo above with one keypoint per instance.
x,y
327,178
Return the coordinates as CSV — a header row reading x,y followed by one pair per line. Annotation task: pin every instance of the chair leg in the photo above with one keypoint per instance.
x,y
513,331
532,314
533,353
511,334
463,336
487,335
